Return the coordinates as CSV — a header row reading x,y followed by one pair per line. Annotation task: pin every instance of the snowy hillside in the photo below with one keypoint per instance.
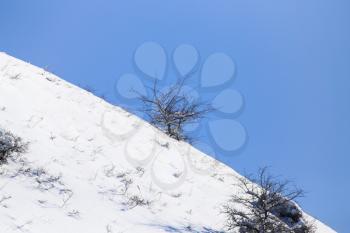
x,y
92,167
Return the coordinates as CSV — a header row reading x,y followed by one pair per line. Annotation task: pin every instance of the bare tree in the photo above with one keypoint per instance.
x,y
266,205
171,109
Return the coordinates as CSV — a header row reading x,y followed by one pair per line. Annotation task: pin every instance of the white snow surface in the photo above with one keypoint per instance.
x,y
82,154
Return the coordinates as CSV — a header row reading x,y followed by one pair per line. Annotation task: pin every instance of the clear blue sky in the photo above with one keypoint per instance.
x,y
293,69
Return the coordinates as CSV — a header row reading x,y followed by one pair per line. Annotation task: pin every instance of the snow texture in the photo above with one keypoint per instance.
x,y
92,167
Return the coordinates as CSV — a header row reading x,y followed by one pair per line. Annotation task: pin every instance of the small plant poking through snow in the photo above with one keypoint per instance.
x,y
269,206
136,200
44,180
10,145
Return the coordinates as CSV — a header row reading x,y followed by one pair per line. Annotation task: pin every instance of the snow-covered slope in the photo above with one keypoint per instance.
x,y
89,163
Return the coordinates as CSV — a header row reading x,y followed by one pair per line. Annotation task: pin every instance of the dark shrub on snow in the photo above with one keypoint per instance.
x,y
265,205
10,145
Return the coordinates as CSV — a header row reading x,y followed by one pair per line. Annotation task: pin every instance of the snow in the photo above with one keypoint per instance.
x,y
89,161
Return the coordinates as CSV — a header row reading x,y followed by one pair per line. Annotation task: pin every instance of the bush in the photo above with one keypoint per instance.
x,y
170,110
9,145
266,205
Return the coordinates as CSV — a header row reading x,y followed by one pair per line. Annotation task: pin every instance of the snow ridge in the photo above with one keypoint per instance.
x,y
93,167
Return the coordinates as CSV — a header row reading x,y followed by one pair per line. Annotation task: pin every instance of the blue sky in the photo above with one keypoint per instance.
x,y
292,61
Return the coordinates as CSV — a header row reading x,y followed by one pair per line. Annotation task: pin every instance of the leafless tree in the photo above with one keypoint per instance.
x,y
171,109
265,205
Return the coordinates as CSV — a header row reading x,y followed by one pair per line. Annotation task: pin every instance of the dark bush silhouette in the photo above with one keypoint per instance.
x,y
265,205
171,110
9,145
